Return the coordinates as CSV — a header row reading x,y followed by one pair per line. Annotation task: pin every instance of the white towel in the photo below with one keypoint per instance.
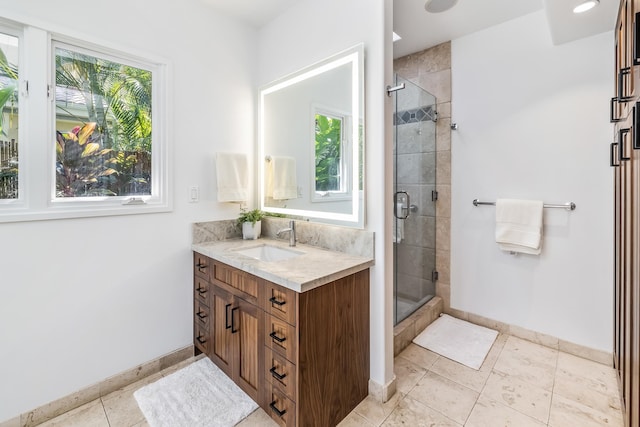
x,y
398,225
280,179
519,225
232,173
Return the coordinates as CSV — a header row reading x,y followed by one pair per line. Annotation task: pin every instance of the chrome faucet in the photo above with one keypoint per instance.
x,y
292,232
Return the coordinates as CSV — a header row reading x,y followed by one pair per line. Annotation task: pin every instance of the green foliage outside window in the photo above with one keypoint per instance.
x,y
114,102
328,153
8,110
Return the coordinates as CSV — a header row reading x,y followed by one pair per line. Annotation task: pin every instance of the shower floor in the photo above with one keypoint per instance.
x,y
405,306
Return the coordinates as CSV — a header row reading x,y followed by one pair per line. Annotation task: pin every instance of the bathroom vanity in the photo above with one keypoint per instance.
x,y
290,326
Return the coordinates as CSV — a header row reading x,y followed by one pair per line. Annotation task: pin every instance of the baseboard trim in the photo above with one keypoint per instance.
x,y
382,393
599,356
67,403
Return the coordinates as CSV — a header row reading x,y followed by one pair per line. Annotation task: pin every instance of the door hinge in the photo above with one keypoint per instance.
x,y
434,276
434,196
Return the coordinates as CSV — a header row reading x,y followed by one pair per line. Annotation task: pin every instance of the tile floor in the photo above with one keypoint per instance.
x,y
520,384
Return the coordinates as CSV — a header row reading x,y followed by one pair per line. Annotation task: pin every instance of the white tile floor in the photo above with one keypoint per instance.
x,y
520,384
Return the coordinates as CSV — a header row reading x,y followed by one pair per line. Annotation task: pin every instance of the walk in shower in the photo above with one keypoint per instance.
x,y
414,150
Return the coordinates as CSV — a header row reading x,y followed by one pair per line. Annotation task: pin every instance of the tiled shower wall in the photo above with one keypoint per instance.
x,y
415,152
431,70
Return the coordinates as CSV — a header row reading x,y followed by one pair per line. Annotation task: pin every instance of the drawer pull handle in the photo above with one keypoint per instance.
x,y
201,266
202,315
276,375
233,328
274,300
621,143
280,413
201,291
226,316
276,337
200,340
612,155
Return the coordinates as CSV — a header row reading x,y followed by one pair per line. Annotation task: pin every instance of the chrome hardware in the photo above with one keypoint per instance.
x,y
394,88
401,200
570,206
292,232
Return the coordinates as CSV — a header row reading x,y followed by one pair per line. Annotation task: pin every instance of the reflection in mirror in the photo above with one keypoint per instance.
x,y
311,141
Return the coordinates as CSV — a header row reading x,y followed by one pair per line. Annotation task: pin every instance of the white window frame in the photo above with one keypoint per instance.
x,y
37,176
346,149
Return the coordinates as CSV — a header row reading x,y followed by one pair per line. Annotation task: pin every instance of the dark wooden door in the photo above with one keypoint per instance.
x,y
221,351
247,328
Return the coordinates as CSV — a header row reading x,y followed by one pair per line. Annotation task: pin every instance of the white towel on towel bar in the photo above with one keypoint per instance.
x,y
232,174
280,179
519,225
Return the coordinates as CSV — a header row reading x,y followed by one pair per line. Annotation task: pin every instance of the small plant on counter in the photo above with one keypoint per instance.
x,y
251,216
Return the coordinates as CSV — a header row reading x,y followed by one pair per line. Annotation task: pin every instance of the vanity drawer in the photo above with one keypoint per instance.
x,y
280,373
281,337
201,290
201,265
280,302
201,338
279,407
244,282
201,314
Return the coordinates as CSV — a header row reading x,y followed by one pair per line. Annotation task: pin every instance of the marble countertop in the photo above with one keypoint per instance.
x,y
314,267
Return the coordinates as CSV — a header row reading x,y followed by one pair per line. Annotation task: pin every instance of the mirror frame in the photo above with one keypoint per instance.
x,y
355,57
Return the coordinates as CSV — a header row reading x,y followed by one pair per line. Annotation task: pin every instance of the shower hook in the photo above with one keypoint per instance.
x,y
394,88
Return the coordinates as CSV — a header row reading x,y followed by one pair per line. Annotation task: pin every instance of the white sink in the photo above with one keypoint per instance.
x,y
269,253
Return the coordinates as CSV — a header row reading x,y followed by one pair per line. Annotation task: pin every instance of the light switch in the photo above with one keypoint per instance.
x,y
194,194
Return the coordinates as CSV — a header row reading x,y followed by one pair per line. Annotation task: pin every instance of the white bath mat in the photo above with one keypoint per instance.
x,y
458,340
196,396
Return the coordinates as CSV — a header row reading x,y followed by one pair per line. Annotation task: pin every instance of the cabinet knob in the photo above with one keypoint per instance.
x,y
202,315
200,340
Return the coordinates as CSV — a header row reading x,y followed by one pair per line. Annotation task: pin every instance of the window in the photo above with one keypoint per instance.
x,y
103,126
9,164
105,151
331,156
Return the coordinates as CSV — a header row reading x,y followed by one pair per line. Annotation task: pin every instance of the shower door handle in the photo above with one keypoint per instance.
x,y
401,203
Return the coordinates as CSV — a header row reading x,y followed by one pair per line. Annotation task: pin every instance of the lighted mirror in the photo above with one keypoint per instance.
x,y
311,139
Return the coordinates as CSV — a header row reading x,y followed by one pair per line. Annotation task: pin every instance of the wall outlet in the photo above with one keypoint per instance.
x,y
194,194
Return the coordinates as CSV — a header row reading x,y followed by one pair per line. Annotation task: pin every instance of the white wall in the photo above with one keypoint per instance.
x,y
533,124
302,37
84,299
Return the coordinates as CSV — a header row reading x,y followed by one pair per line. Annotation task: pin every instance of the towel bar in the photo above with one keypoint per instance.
x,y
570,206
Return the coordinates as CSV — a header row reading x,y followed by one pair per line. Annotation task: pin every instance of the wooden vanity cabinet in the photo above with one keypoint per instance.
x,y
625,159
303,357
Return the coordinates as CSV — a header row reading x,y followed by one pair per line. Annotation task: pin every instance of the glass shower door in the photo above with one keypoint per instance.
x,y
414,210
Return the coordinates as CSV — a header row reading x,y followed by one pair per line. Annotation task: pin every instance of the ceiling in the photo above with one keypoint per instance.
x,y
420,30
256,13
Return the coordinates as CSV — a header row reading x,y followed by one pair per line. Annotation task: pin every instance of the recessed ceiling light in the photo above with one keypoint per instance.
x,y
437,6
586,5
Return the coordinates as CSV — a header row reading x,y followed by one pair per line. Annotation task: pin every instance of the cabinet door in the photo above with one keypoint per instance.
x,y
247,327
221,342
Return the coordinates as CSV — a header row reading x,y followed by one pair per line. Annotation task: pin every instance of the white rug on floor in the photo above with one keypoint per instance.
x,y
196,396
458,340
